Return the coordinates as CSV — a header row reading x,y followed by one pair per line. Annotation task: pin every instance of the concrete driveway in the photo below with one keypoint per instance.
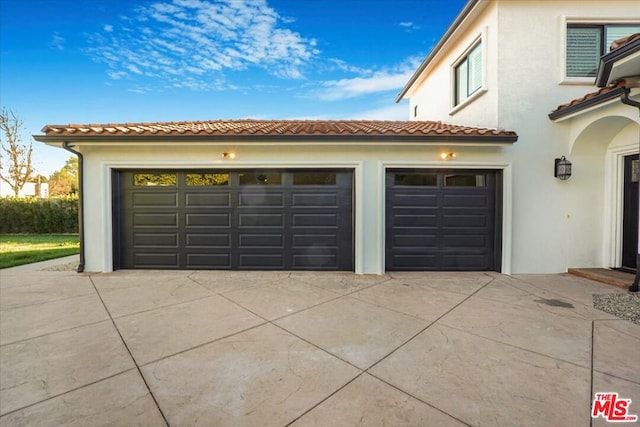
x,y
221,348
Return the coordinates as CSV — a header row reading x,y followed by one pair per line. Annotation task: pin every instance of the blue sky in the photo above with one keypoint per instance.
x,y
90,61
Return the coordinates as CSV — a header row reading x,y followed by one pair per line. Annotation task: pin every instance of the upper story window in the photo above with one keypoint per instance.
x,y
468,74
586,43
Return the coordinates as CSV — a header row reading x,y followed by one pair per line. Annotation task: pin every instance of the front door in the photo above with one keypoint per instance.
x,y
630,213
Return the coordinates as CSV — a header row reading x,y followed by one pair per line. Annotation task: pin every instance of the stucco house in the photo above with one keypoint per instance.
x,y
376,196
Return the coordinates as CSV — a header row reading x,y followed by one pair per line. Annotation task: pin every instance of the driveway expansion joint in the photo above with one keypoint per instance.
x,y
126,346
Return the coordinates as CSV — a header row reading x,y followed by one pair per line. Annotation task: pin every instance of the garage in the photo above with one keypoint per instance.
x,y
269,219
443,220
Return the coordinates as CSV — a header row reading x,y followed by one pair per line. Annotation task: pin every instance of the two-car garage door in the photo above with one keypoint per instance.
x,y
245,219
302,219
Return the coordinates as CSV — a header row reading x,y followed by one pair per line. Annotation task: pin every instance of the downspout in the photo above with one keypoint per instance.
x,y
624,97
67,147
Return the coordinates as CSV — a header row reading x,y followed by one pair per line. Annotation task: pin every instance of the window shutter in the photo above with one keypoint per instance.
x,y
583,51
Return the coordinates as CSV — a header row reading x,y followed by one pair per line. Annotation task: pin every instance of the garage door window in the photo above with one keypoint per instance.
x,y
207,179
269,178
465,180
155,179
417,179
314,178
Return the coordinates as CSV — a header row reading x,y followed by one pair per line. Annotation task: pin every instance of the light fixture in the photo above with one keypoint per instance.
x,y
229,155
562,168
447,156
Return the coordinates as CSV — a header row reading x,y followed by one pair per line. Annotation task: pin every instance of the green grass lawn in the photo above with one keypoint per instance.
x,y
18,249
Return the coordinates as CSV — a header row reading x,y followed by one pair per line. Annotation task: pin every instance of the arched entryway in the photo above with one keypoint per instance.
x,y
606,148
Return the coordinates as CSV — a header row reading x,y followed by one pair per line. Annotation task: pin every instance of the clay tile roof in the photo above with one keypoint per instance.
x,y
593,98
276,128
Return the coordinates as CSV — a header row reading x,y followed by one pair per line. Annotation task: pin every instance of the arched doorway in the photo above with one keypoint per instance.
x,y
607,145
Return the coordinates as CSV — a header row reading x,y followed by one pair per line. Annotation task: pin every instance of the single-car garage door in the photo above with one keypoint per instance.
x,y
242,219
443,220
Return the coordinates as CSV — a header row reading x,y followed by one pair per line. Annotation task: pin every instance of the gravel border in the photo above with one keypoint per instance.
x,y
623,305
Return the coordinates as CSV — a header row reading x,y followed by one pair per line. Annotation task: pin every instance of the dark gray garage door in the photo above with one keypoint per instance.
x,y
243,219
443,220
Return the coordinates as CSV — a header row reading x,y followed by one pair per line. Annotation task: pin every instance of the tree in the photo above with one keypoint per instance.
x,y
17,169
65,181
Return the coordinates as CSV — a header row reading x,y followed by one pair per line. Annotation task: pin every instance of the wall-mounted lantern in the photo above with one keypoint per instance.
x,y
562,169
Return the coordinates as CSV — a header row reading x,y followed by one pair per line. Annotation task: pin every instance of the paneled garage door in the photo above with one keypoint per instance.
x,y
242,219
443,220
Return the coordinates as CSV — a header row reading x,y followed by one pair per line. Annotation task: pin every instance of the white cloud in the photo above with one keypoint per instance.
x,y
57,41
379,81
409,26
341,65
350,88
116,75
191,42
134,69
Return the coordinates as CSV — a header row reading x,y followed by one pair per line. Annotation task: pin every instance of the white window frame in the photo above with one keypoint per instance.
x,y
481,42
565,22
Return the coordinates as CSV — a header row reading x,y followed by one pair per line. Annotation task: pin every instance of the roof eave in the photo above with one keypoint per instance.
x,y
284,139
436,49
555,115
608,61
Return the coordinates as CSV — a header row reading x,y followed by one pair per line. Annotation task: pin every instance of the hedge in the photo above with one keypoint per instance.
x,y
39,216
